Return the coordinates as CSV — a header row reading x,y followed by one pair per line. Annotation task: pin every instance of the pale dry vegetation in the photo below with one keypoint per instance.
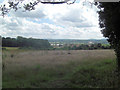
x,y
49,59
59,68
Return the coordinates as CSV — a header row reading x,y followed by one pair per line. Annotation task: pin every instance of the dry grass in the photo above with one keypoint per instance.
x,y
59,69
49,59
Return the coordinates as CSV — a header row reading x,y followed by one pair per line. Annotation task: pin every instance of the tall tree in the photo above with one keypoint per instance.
x,y
109,21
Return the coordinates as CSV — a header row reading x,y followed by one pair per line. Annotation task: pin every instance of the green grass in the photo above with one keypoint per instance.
x,y
96,75
72,75
10,48
53,69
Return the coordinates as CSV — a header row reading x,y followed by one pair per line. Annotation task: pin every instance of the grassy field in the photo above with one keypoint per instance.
x,y
59,69
11,48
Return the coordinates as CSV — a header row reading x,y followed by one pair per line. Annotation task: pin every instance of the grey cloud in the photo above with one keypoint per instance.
x,y
74,18
84,24
48,29
28,14
12,25
44,26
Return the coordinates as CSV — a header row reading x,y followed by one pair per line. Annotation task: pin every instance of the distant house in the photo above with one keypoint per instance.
x,y
90,43
77,45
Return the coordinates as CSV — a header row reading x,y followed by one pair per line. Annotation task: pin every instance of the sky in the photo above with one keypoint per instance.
x,y
75,21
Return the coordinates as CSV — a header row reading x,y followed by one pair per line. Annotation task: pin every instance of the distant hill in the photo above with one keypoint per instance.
x,y
77,41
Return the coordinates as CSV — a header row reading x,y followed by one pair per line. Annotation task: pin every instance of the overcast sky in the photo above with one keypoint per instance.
x,y
76,21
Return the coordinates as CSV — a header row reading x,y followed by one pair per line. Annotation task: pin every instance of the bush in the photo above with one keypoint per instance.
x,y
4,48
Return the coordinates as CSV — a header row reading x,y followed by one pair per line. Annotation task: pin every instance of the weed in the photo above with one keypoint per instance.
x,y
51,69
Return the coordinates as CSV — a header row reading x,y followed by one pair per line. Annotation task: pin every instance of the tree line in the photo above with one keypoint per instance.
x,y
85,47
25,42
90,47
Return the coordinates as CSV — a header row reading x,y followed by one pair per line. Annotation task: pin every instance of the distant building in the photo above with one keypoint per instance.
x,y
90,43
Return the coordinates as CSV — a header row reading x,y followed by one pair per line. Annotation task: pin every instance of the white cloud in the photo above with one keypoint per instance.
x,y
68,21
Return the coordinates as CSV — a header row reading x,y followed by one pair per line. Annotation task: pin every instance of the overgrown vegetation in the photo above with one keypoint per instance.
x,y
57,69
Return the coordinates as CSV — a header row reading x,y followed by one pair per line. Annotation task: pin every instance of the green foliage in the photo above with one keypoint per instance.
x,y
25,43
97,75
85,47
109,20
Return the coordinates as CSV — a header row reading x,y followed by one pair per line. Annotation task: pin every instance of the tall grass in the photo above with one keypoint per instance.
x,y
58,69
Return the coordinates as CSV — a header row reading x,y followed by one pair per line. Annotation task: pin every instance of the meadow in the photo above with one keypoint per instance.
x,y
59,69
